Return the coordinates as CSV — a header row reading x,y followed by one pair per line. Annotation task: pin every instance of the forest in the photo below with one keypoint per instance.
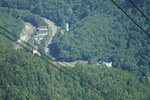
x,y
99,31
27,77
107,35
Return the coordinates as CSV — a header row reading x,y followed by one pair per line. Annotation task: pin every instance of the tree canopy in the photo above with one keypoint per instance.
x,y
27,77
98,31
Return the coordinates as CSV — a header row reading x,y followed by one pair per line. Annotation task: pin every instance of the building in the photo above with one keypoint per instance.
x,y
35,51
38,38
105,63
41,32
42,28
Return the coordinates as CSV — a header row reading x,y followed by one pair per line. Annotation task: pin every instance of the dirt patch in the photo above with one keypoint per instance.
x,y
25,35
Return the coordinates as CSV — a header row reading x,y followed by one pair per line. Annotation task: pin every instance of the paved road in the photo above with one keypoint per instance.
x,y
54,31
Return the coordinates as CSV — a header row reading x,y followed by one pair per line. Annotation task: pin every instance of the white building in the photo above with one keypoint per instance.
x,y
41,32
105,63
38,38
42,28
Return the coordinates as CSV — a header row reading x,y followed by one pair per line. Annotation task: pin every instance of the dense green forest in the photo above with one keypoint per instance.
x,y
27,77
107,35
23,15
11,24
98,31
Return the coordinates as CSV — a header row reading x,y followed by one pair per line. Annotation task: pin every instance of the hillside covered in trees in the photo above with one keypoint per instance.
x,y
107,35
97,31
12,24
26,77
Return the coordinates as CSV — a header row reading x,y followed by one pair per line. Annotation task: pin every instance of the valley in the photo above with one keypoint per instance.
x,y
96,52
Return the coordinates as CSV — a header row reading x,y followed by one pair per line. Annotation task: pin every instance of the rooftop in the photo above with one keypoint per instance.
x,y
43,32
42,27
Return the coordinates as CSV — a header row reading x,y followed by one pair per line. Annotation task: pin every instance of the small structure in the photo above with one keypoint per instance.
x,y
67,27
38,38
105,63
41,32
42,28
35,51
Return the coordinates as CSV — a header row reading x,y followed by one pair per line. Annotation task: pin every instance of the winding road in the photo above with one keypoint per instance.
x,y
54,31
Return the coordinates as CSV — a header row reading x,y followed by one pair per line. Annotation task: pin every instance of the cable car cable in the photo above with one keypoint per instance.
x,y
74,78
130,18
139,10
